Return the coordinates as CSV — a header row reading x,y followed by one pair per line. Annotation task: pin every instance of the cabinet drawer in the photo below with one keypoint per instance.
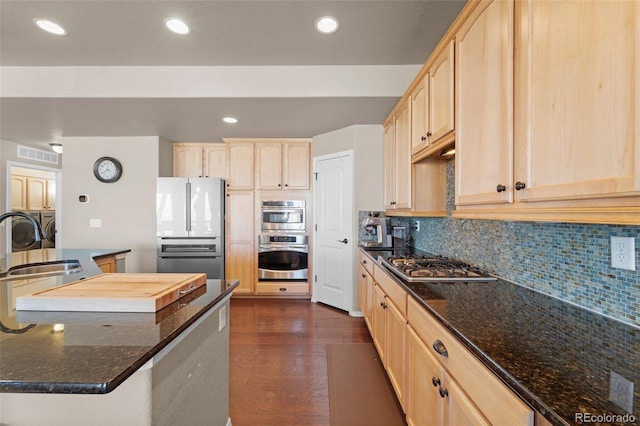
x,y
282,288
392,289
366,262
496,402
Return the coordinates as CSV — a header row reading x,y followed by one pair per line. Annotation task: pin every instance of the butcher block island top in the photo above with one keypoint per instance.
x,y
125,292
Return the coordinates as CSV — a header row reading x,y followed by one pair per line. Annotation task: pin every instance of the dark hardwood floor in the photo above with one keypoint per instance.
x,y
278,361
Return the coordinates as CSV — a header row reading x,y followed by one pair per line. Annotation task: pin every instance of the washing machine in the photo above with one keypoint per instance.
x,y
23,235
48,220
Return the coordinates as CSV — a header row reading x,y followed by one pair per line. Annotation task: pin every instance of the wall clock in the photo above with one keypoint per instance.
x,y
107,169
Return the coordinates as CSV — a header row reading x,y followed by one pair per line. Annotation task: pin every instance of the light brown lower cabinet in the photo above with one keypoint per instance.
x,y
432,396
389,328
433,389
107,264
470,393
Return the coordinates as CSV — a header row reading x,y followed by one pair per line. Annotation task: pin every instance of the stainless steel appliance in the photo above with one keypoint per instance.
x,y
190,225
414,267
283,215
283,257
23,235
48,220
375,235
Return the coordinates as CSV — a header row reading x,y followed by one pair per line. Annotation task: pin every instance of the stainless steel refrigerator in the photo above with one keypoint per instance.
x,y
190,225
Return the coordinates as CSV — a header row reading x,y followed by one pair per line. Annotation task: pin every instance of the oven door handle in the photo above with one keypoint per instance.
x,y
270,248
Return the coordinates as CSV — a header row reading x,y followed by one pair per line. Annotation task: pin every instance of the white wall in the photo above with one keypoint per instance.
x,y
367,142
126,207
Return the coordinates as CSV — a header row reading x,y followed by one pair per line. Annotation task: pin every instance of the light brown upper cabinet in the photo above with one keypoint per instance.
x,y
240,155
432,100
577,111
199,160
397,158
283,165
573,153
32,193
484,104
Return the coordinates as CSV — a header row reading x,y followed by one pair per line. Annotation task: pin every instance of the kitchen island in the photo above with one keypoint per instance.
x,y
167,367
564,361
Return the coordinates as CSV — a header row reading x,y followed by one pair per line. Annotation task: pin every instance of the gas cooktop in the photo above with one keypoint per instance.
x,y
432,268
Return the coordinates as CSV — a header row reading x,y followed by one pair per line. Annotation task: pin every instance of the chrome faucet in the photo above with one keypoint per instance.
x,y
37,228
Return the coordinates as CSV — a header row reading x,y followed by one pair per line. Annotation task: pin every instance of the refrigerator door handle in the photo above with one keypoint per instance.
x,y
188,207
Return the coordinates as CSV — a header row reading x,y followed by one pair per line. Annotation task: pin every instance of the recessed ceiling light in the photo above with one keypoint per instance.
x,y
177,26
230,120
327,25
50,27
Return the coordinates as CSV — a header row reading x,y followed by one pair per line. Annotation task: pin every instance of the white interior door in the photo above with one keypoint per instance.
x,y
333,241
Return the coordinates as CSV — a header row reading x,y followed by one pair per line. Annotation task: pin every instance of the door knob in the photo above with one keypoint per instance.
x,y
345,241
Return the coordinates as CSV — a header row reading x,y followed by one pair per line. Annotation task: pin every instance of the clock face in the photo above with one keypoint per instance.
x,y
107,169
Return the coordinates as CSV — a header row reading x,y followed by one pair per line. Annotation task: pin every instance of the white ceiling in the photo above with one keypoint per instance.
x,y
239,34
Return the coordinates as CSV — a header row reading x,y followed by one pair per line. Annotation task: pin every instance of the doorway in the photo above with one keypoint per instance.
x,y
333,203
34,188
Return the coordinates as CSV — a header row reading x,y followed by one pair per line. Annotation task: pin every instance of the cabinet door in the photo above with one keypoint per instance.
x,y
460,409
389,164
577,100
378,317
269,165
420,115
395,336
296,169
441,95
215,160
403,157
484,105
240,165
424,406
107,264
18,192
187,160
36,193
240,244
51,194
362,290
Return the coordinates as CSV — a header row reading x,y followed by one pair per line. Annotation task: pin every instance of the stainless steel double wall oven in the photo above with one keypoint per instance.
x,y
283,248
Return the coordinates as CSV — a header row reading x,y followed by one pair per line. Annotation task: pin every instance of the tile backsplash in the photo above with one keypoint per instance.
x,y
565,260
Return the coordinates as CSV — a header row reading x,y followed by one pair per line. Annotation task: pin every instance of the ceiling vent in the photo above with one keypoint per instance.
x,y
37,155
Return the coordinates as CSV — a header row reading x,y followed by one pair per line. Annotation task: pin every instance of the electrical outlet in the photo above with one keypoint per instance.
x,y
623,253
417,226
621,392
222,318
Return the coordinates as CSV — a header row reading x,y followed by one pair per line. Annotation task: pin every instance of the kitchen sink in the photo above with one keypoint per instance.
x,y
41,269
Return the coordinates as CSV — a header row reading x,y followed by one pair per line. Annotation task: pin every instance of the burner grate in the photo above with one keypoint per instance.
x,y
434,268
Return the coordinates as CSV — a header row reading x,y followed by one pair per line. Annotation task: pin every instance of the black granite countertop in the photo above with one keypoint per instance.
x,y
556,356
96,351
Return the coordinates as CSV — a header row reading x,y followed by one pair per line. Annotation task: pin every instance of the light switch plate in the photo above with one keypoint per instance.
x,y
95,223
623,253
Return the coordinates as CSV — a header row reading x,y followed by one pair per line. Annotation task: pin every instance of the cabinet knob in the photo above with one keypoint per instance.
x,y
443,392
279,185
282,289
424,138
501,188
435,381
439,347
364,276
286,185
520,185
429,134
